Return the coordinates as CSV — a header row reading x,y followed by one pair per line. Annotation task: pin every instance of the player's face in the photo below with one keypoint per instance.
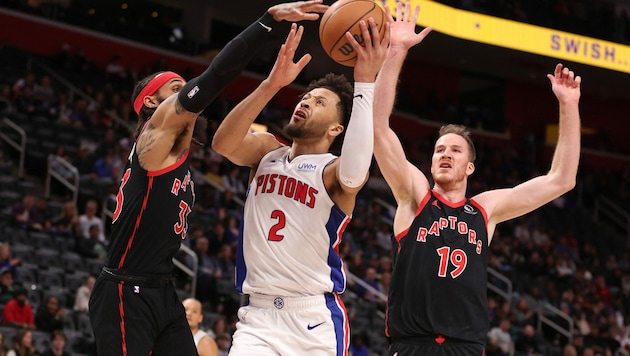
x,y
315,114
450,162
193,312
170,88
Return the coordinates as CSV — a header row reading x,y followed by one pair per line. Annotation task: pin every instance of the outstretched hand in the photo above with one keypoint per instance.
x,y
403,28
284,70
298,11
370,55
565,84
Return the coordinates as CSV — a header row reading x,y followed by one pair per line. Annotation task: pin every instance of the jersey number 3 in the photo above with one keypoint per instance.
x,y
457,258
279,225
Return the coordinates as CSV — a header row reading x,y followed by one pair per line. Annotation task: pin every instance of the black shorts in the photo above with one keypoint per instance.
x,y
431,347
137,317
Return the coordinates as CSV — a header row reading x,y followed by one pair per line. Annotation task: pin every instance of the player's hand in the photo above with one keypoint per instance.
x,y
284,70
298,11
372,53
403,28
565,84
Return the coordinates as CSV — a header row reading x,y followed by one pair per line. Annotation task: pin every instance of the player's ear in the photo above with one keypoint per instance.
x,y
336,130
470,168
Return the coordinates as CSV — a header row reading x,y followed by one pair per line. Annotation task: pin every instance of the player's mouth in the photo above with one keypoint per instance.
x,y
299,115
445,165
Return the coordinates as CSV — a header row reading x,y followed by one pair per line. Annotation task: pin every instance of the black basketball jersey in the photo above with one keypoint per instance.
x,y
150,220
438,284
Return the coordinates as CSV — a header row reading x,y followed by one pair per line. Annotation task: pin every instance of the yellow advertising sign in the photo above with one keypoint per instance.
x,y
520,36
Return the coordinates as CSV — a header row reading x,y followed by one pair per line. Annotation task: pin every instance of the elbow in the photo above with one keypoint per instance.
x,y
566,184
219,146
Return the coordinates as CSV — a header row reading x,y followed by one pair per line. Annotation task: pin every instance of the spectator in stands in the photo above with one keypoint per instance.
x,y
499,339
6,285
80,117
43,212
28,81
88,219
44,95
358,346
49,315
232,181
206,345
371,280
22,344
209,271
223,341
58,341
3,345
82,297
62,110
528,342
7,260
92,247
24,214
18,312
67,223
522,314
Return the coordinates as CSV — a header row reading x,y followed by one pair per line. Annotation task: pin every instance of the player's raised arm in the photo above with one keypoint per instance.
x,y
510,203
233,139
358,144
401,176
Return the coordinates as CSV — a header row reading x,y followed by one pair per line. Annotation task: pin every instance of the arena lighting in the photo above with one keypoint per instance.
x,y
520,36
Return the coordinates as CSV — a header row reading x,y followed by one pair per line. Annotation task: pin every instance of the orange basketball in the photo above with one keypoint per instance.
x,y
343,16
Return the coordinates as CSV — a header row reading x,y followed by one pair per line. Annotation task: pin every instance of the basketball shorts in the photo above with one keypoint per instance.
x,y
313,325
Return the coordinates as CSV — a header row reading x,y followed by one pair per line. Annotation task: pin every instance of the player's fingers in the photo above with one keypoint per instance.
x,y
376,36
388,13
399,10
304,61
416,14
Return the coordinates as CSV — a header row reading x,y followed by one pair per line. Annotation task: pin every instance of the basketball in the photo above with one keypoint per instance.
x,y
343,16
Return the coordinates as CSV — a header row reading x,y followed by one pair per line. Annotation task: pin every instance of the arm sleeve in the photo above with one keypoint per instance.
x,y
358,145
199,92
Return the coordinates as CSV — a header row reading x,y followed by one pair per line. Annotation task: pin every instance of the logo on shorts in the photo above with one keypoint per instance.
x,y
136,289
311,327
278,303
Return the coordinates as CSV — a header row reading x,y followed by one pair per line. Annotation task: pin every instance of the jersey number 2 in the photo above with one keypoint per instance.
x,y
282,221
458,258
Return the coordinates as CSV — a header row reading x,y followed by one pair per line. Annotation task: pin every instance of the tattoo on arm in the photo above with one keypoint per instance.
x,y
145,147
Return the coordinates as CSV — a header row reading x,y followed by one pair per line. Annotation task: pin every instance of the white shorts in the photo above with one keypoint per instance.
x,y
314,326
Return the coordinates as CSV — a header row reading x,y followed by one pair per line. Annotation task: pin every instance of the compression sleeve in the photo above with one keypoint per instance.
x,y
358,145
199,92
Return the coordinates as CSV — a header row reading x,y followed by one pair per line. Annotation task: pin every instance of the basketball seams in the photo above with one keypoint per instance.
x,y
333,46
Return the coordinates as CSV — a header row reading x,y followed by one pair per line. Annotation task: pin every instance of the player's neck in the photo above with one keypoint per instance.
x,y
452,192
308,147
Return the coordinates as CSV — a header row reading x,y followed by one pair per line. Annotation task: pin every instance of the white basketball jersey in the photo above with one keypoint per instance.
x,y
291,229
198,336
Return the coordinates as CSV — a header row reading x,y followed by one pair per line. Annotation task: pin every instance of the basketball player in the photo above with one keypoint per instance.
x,y
437,300
134,309
206,346
299,201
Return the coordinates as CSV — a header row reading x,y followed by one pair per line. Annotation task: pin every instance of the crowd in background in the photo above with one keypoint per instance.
x,y
555,255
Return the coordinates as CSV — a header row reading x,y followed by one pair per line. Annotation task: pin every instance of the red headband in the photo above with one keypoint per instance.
x,y
152,87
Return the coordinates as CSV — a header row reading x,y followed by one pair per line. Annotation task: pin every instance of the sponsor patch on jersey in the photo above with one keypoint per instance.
x,y
309,167
469,210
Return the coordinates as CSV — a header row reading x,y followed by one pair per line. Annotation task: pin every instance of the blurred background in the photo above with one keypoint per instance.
x,y
559,278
